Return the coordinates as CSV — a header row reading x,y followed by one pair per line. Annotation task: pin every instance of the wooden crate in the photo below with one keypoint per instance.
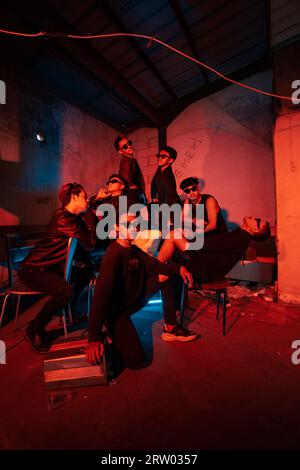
x,y
65,366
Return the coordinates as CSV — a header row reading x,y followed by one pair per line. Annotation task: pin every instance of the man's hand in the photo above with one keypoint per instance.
x,y
102,193
186,276
94,352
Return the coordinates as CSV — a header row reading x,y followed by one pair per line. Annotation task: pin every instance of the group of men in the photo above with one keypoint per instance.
x,y
128,277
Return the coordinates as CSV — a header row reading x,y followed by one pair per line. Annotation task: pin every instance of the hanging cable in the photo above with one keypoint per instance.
x,y
150,40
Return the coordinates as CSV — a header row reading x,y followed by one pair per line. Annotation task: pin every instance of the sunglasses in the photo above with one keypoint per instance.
x,y
159,155
125,146
188,190
113,181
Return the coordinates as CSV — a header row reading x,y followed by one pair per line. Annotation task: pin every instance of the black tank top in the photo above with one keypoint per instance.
x,y
221,224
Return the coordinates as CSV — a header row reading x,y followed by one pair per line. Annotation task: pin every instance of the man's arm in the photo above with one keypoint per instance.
x,y
212,208
76,227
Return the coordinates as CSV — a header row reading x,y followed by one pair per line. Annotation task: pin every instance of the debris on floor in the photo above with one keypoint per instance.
x,y
255,301
56,400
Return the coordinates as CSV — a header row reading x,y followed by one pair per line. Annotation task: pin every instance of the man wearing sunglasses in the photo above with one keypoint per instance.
x,y
43,269
127,281
213,219
221,250
163,185
130,170
115,187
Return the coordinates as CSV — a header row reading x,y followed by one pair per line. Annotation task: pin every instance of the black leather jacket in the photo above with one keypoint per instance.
x,y
51,251
131,172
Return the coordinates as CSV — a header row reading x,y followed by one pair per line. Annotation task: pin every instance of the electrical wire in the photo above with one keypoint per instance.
x,y
150,40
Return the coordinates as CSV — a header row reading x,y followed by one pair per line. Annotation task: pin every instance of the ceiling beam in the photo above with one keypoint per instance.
x,y
83,53
138,50
115,20
28,56
188,37
174,109
42,82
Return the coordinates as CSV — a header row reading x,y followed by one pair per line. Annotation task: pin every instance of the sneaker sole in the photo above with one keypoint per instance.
x,y
184,339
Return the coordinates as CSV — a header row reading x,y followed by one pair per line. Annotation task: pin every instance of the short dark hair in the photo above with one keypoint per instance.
x,y
188,182
172,152
116,175
66,191
118,140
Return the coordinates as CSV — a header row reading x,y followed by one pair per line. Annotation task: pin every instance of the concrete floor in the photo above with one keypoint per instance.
x,y
240,391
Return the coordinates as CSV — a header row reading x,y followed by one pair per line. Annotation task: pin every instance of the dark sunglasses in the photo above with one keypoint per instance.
x,y
159,155
129,144
113,181
188,190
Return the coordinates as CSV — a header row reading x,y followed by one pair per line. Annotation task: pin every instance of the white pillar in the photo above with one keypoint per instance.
x,y
287,173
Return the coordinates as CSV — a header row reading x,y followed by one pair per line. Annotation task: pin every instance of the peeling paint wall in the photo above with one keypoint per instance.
x,y
77,147
226,141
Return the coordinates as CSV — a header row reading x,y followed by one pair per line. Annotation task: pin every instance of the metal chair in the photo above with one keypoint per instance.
x,y
18,288
220,290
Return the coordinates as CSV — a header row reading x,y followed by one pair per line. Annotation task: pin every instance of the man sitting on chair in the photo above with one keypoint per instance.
x,y
43,269
220,251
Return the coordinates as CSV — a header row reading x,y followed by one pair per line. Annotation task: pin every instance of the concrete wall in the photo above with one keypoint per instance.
x,y
226,140
287,164
78,148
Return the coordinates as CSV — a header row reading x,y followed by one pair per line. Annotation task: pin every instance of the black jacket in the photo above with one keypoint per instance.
x,y
51,251
131,172
163,187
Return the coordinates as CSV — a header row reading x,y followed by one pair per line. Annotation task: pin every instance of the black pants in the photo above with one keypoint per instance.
x,y
218,255
122,330
52,283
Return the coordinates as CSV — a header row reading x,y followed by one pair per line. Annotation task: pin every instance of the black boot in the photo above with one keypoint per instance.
x,y
37,339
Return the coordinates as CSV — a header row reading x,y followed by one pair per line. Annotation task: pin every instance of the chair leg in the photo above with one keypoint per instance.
x,y
4,307
89,299
218,295
17,311
64,322
224,310
70,314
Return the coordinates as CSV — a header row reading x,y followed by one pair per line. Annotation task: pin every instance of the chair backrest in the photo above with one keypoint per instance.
x,y
72,245
15,257
18,246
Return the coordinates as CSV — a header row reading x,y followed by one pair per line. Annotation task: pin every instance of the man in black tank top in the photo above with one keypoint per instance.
x,y
213,219
221,249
